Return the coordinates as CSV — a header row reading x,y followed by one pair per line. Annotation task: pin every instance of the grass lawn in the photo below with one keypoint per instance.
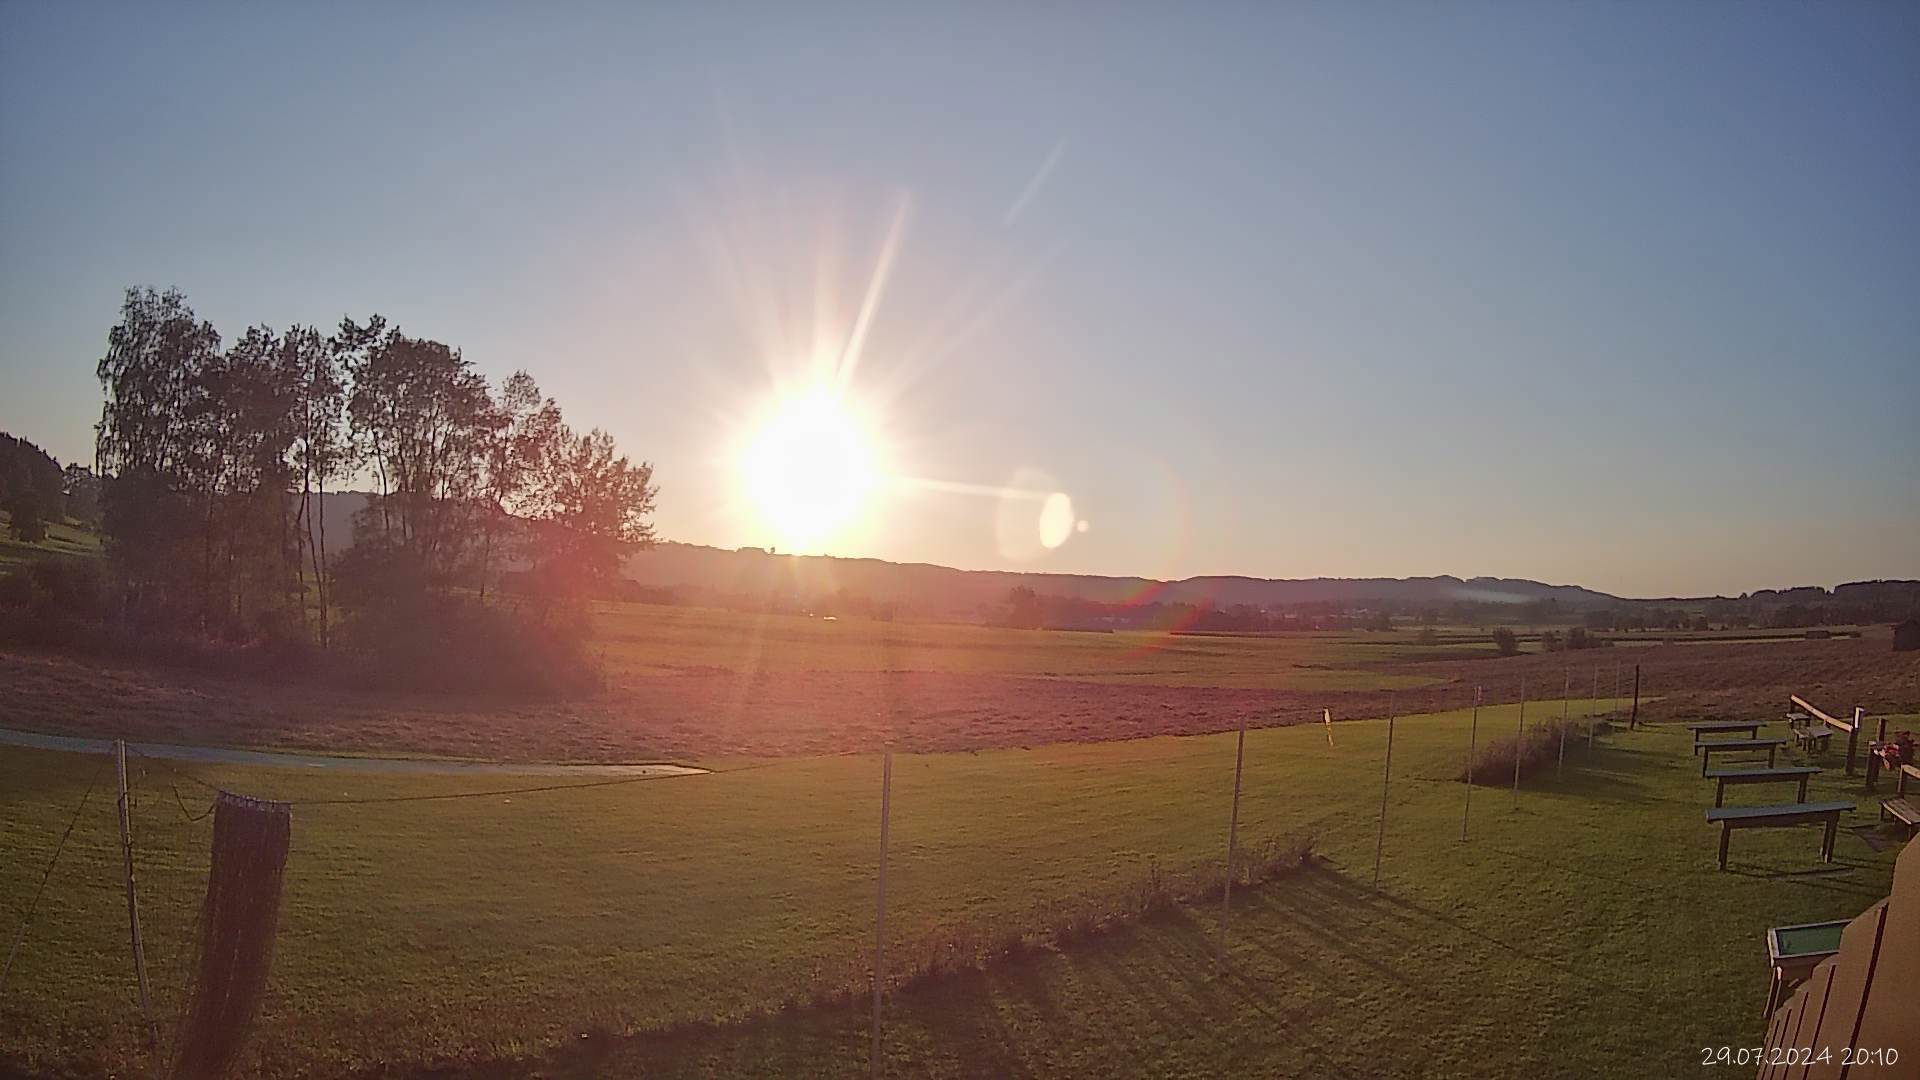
x,y
1582,931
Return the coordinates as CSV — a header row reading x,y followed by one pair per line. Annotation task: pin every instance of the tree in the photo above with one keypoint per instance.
x,y
521,439
423,416
152,510
322,450
589,509
1024,611
1505,641
82,489
30,488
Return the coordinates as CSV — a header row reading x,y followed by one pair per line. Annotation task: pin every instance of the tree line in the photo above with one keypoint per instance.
x,y
215,458
36,492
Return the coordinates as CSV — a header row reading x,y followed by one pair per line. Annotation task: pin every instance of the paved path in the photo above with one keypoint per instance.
x,y
219,755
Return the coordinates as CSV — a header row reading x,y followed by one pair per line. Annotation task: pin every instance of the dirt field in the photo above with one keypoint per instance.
x,y
707,712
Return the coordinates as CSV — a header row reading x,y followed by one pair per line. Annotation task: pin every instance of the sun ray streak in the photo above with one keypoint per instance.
x,y
1034,184
958,487
876,286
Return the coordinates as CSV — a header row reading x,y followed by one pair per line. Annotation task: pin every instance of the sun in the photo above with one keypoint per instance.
x,y
809,467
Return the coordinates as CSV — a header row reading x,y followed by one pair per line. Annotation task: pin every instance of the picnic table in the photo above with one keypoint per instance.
x,y
1721,727
1708,749
1730,818
1794,951
1722,778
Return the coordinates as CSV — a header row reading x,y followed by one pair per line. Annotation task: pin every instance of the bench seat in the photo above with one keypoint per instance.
x,y
1702,728
1708,749
1783,815
1724,778
1811,738
1902,811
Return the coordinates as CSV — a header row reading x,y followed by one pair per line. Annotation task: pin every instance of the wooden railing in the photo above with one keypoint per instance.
x,y
1863,1003
1850,727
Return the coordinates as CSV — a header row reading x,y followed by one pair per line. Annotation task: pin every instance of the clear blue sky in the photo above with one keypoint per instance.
x,y
1624,295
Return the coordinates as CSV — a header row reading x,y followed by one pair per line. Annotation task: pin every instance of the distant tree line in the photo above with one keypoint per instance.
x,y
30,483
214,462
1851,604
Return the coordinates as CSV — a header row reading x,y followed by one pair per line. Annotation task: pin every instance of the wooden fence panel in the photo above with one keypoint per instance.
x,y
1893,1015
1848,995
1866,997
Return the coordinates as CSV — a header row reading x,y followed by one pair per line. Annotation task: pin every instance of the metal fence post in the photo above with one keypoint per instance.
x,y
1233,839
1386,780
880,911
1473,734
133,909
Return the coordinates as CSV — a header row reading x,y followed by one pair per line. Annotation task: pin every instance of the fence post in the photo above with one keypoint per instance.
x,y
1853,740
1633,720
133,909
1233,839
1473,734
1566,705
880,910
1595,701
1519,739
1386,779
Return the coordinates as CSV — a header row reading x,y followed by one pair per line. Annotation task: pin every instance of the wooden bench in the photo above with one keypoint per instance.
x,y
1900,808
1708,749
1730,818
1721,727
1724,777
1812,740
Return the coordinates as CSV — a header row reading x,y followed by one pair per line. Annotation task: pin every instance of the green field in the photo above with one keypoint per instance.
x,y
647,640
1582,931
62,539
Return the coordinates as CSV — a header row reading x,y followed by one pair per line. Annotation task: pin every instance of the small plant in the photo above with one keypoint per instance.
x,y
1898,750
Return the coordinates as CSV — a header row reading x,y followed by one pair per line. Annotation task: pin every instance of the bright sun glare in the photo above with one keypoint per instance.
x,y
809,468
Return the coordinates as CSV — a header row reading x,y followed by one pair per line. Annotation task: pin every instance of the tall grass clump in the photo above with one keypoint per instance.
x,y
1537,749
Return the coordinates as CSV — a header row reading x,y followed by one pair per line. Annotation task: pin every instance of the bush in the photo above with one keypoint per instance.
x,y
50,602
1506,642
1539,747
458,643
403,629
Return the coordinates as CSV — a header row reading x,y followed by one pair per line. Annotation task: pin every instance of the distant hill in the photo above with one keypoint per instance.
x,y
700,574
751,572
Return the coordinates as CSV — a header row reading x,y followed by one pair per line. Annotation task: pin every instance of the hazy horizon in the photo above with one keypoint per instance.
x,y
1613,297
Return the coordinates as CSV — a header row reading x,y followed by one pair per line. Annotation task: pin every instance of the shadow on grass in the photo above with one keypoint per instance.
x,y
1111,1000
1138,998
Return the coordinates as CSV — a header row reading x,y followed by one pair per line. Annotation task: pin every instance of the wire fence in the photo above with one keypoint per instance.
x,y
1134,829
